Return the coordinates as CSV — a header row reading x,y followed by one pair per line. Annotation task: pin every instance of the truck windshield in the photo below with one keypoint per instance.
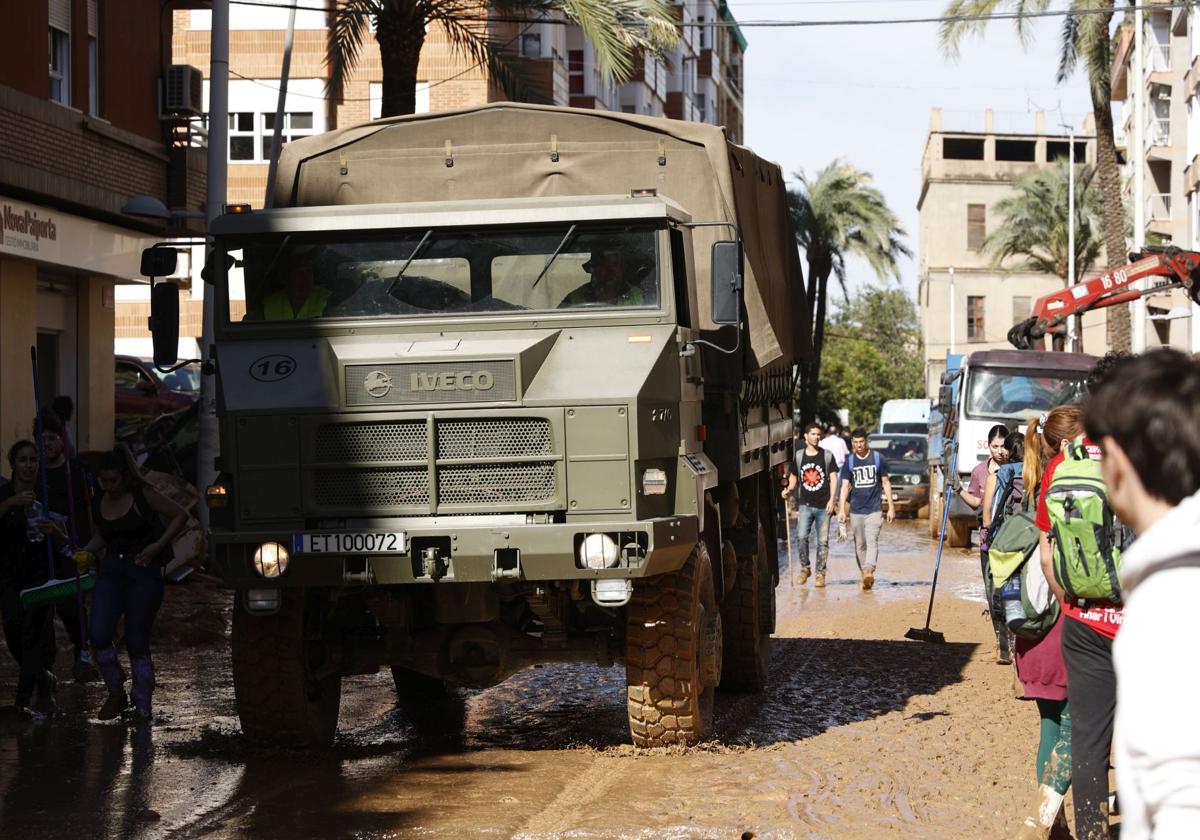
x,y
1016,396
437,272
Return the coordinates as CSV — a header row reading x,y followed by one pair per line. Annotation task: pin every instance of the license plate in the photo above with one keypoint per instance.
x,y
356,542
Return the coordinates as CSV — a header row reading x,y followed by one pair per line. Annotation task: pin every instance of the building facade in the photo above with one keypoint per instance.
x,y
1170,143
79,137
965,303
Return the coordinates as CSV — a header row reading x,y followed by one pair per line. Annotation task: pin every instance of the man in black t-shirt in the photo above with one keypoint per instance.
x,y
811,480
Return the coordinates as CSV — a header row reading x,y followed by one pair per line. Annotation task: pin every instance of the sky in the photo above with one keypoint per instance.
x,y
865,93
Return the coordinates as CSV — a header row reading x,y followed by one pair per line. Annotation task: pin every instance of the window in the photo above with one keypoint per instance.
x,y
531,45
131,376
1022,308
575,70
962,148
705,34
60,66
93,45
241,136
976,226
975,318
295,125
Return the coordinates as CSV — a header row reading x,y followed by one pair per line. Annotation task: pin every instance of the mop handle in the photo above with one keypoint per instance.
x,y
41,448
942,536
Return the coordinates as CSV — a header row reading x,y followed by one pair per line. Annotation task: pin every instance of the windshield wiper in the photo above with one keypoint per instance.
x,y
408,262
275,259
554,256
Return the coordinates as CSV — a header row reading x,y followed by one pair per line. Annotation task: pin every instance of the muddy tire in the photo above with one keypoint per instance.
x,y
958,532
427,702
279,701
747,620
673,655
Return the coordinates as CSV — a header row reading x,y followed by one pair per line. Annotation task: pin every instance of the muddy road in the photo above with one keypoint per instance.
x,y
861,735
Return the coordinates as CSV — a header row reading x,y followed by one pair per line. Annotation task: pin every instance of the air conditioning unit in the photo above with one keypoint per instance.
x,y
183,92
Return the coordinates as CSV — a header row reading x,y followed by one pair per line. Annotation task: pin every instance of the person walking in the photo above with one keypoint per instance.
x,y
129,529
1146,418
973,494
1088,631
836,445
28,631
864,487
811,476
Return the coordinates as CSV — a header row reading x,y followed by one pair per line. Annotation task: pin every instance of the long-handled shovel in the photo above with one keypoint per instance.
x,y
924,634
787,522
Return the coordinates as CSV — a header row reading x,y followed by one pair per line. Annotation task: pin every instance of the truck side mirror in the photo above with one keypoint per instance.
x,y
944,400
159,261
949,376
726,282
164,323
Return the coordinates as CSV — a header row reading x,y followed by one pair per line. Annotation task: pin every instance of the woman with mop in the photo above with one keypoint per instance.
x,y
128,520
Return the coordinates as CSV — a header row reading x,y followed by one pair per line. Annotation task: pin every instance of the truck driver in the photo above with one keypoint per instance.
x,y
614,279
299,299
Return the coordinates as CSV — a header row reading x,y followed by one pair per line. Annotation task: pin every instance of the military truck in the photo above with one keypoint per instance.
x,y
507,388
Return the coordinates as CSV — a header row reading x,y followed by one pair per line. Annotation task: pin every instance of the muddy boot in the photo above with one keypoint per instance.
x,y
802,578
143,686
114,679
819,583
47,684
868,579
84,671
1046,811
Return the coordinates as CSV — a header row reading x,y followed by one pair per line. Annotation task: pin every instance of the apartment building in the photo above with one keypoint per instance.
x,y
700,80
79,137
965,303
1170,143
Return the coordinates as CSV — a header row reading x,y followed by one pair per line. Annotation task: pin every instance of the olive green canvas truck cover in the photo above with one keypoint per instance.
x,y
510,150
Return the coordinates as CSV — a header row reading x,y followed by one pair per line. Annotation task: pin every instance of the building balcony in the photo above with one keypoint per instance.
x,y
1158,207
1157,58
1158,131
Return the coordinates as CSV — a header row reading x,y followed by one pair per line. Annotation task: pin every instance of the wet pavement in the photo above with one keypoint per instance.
x,y
860,734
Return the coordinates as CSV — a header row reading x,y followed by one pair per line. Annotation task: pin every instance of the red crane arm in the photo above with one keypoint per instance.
x,y
1051,312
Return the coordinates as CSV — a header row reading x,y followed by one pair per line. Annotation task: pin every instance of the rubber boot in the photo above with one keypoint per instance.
x,y
143,686
1046,811
114,678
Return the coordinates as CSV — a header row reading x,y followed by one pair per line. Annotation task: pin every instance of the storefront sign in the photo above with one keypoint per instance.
x,y
57,238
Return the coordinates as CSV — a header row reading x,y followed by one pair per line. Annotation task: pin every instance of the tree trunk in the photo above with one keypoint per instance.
x,y
1113,222
400,41
818,274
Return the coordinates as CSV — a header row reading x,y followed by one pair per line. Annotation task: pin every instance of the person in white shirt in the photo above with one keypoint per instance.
x,y
836,445
1146,417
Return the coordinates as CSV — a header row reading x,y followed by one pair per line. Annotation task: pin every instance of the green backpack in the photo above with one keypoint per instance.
x,y
1013,552
1014,543
1087,555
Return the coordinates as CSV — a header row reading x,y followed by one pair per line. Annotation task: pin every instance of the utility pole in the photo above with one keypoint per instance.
x,y
1071,238
218,151
1137,314
952,318
285,71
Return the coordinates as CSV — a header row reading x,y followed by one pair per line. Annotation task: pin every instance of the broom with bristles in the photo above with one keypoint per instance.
x,y
54,589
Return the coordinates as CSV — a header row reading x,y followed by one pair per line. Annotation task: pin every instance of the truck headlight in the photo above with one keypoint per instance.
x,y
271,559
654,482
599,551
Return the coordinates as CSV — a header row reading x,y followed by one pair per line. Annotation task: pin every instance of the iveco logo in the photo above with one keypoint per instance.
x,y
467,380
377,384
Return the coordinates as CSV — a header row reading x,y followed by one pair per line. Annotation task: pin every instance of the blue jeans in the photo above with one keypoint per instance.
x,y
808,518
125,588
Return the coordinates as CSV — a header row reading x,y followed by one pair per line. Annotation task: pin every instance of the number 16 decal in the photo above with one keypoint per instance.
x,y
272,368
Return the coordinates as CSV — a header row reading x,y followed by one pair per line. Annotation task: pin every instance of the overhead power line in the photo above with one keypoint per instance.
x,y
797,24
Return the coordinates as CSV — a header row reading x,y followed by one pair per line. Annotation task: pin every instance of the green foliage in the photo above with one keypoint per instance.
x,y
619,30
1033,234
872,354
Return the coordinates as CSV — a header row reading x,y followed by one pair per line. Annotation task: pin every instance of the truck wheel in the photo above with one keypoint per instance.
x,y
427,702
673,655
747,619
958,533
279,701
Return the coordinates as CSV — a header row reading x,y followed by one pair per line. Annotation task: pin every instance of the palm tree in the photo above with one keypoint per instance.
x,y
839,214
1085,34
1033,233
618,30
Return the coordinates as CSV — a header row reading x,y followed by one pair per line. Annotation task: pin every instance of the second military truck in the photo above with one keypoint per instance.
x,y
507,387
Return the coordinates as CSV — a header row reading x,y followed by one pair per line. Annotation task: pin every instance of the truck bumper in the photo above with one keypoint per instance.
x,y
546,552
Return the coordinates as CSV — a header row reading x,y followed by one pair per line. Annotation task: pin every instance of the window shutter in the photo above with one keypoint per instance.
x,y
976,226
60,15
93,18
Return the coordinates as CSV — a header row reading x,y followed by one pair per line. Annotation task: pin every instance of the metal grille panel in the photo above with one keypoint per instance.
x,y
430,383
372,488
494,438
495,484
340,442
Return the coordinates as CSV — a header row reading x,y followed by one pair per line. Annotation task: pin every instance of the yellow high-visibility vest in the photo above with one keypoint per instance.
x,y
277,306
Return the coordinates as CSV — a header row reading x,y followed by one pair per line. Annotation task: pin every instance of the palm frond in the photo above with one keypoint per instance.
x,y
962,19
351,21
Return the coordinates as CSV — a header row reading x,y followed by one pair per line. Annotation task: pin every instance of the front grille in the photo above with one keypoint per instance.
x,y
341,442
495,484
342,488
494,438
430,383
